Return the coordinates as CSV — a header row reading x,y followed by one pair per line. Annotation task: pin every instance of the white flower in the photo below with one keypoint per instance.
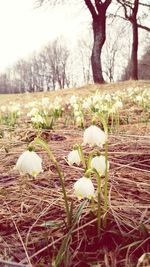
x,y
45,101
97,106
118,104
73,99
37,119
87,103
84,188
99,164
3,108
76,107
73,157
15,107
94,136
34,111
139,98
79,120
29,162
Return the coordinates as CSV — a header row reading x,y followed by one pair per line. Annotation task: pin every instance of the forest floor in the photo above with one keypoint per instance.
x,y
32,214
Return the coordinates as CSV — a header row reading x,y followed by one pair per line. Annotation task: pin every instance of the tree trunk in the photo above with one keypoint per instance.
x,y
134,54
99,31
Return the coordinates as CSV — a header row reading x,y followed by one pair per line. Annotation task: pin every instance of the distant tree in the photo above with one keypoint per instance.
x,y
131,14
98,12
84,48
40,72
143,67
56,54
21,76
4,83
114,53
98,9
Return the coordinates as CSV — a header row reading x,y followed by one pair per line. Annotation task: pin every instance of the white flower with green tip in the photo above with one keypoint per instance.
x,y
37,119
93,135
84,188
99,164
29,163
73,157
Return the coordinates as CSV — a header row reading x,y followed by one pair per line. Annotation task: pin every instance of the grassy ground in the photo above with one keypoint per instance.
x,y
82,91
32,217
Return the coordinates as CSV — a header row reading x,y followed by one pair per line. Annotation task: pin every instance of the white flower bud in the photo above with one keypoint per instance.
x,y
73,157
94,136
99,164
84,188
29,162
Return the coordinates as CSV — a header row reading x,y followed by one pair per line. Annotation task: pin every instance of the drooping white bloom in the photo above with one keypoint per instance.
x,y
139,98
79,120
73,99
84,188
77,113
99,164
29,162
87,103
37,119
3,108
45,101
33,112
31,104
76,107
93,135
118,104
14,107
73,157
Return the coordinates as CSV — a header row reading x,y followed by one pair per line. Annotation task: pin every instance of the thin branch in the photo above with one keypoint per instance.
x,y
135,8
91,8
124,5
143,4
143,27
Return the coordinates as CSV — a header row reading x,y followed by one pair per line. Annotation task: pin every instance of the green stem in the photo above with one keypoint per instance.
x,y
117,120
89,160
38,141
80,151
105,125
112,122
99,202
106,184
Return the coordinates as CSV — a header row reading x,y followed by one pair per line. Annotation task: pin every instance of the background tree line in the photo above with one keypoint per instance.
x,y
107,52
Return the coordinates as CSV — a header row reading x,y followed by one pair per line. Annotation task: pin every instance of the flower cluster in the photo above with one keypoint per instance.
x,y
43,113
93,136
30,163
76,109
10,113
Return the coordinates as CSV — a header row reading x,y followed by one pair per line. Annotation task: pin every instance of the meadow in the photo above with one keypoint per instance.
x,y
44,221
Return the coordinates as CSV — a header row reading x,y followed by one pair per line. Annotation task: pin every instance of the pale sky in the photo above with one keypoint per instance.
x,y
24,28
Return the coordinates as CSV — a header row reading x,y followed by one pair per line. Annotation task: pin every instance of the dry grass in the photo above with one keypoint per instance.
x,y
26,204
66,93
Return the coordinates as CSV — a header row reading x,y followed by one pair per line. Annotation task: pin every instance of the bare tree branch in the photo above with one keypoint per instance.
x,y
144,4
91,8
143,27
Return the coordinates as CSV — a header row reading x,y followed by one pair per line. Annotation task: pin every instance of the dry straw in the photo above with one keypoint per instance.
x,y
27,204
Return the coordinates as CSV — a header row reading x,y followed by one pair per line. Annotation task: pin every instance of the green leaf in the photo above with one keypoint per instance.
x,y
65,243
